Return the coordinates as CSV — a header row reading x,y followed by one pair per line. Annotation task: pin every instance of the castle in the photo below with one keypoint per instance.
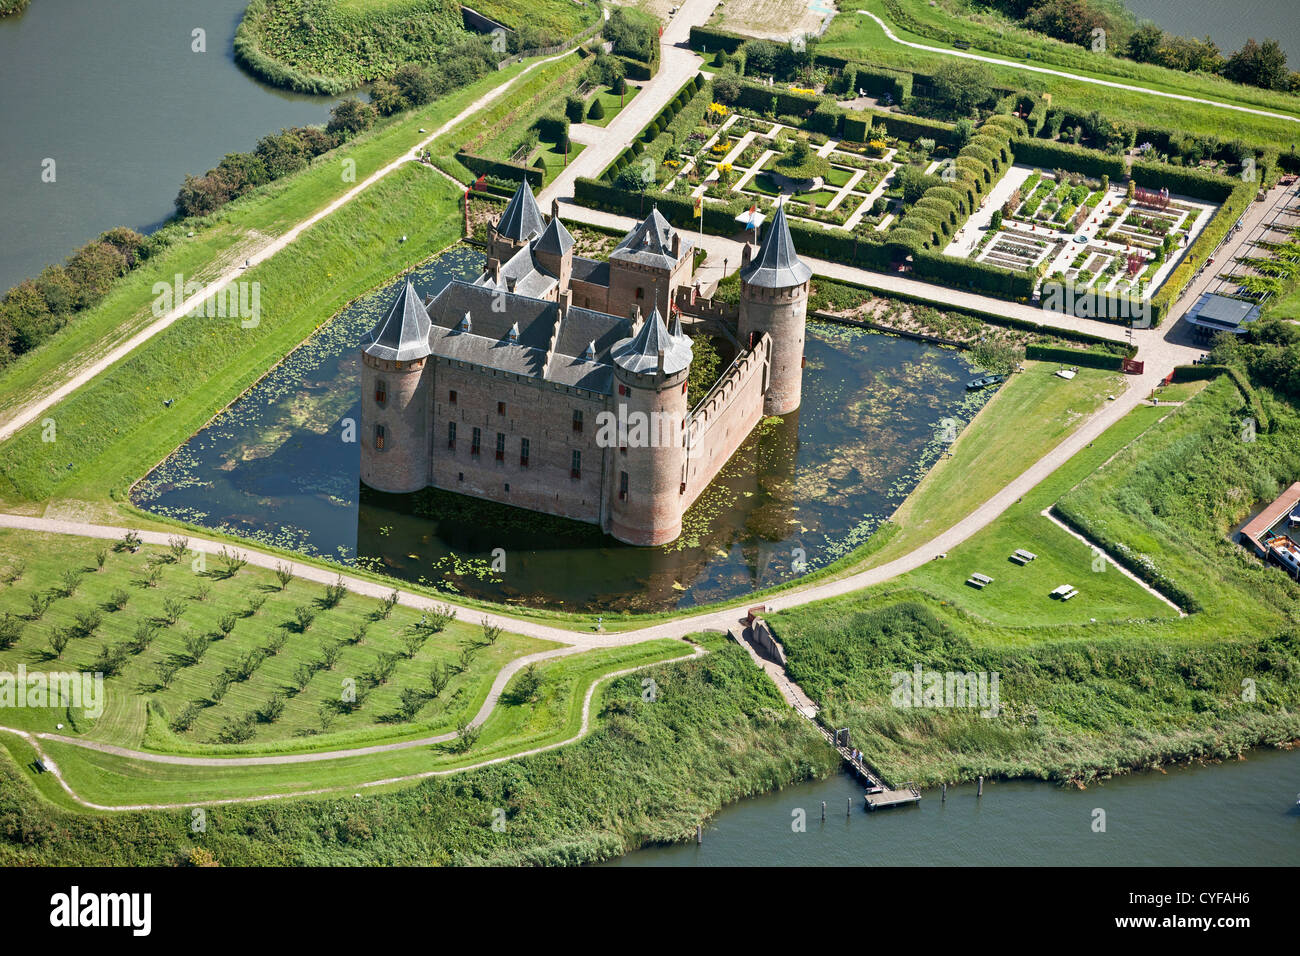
x,y
553,382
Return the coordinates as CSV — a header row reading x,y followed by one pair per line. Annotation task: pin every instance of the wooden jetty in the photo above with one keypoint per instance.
x,y
754,635
879,795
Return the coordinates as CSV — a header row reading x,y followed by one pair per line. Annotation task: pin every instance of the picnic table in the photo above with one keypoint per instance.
x,y
979,580
1021,556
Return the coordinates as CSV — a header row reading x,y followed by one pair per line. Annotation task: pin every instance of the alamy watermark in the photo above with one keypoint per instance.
x,y
638,429
83,691
237,300
951,689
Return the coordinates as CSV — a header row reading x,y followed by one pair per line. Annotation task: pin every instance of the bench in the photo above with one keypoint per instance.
x,y
979,580
1021,556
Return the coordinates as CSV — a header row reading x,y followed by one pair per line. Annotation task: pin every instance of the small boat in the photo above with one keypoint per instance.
x,y
983,382
1294,518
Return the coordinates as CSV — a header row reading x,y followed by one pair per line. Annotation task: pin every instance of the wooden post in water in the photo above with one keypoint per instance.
x,y
943,794
980,787
823,811
699,834
848,807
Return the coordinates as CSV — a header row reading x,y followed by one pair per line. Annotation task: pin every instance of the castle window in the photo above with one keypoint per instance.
x,y
451,396
640,292
624,390
501,446
523,452
577,420
575,467
451,434
622,486
475,443
381,392
379,437
501,408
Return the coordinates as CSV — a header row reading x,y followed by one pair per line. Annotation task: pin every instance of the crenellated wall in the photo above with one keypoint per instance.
x,y
726,416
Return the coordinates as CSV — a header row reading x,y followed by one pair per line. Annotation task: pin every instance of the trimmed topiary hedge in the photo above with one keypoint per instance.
x,y
1050,353
1051,155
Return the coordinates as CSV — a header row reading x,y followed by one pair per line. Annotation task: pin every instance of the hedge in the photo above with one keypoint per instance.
x,y
1050,353
759,98
966,274
499,167
1037,115
1200,250
1183,181
856,123
636,69
876,81
709,39
1049,155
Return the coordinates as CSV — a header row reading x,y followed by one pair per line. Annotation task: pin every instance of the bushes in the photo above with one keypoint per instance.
x,y
857,124
1051,155
1048,353
501,168
331,48
1183,181
597,110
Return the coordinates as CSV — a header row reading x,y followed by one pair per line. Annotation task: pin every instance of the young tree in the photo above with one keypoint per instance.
x,y
350,117
961,85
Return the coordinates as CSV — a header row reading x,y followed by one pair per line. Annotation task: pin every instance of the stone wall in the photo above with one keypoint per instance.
x,y
538,411
725,417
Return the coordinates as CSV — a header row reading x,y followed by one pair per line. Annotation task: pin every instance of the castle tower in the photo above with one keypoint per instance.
x,y
648,265
650,372
520,223
394,414
554,250
774,299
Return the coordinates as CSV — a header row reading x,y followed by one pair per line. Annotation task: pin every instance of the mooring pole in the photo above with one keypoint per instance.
x,y
823,811
943,794
980,791
848,808
699,834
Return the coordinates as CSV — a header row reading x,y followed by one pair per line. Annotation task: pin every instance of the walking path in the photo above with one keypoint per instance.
x,y
1075,76
34,741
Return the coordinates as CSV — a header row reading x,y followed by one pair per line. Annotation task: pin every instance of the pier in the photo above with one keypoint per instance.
x,y
757,638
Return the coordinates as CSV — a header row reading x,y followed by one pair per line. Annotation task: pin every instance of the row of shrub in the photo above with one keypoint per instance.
x,y
1052,353
35,309
670,125
1048,154
634,40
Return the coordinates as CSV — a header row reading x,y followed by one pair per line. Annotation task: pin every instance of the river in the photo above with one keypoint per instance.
x,y
1240,813
1228,24
114,94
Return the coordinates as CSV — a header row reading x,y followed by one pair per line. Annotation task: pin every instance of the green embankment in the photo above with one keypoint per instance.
x,y
650,770
855,36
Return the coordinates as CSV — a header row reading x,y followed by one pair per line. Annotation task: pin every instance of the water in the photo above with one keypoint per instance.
x,y
1240,813
113,93
807,488
1228,24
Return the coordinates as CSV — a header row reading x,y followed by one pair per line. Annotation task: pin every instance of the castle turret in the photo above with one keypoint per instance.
x,y
554,250
650,407
519,224
774,299
394,419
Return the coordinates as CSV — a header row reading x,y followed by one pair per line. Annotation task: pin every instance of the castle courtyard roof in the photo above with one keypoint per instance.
x,y
518,338
403,334
556,240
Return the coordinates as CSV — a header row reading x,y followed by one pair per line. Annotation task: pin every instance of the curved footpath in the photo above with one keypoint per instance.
x,y
583,730
1075,76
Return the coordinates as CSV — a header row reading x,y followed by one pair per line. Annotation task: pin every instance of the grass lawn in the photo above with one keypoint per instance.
x,y
839,176
302,726
555,158
610,101
555,716
1030,415
854,35
1020,595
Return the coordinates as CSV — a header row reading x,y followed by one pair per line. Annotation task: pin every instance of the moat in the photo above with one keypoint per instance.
x,y
281,466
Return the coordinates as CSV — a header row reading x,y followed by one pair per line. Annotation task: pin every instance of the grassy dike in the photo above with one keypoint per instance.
x,y
1085,701
716,732
859,37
